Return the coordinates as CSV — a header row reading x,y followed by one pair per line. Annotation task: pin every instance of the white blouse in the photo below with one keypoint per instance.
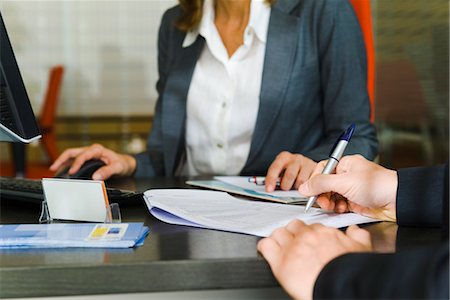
x,y
223,98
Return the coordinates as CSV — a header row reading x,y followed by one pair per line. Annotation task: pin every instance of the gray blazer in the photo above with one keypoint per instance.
x,y
313,87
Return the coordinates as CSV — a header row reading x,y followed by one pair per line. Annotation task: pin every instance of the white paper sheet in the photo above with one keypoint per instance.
x,y
219,210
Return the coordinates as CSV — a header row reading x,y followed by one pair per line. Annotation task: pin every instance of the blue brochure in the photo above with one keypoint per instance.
x,y
72,235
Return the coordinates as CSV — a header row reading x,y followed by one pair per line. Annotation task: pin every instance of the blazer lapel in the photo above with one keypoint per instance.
x,y
279,59
174,105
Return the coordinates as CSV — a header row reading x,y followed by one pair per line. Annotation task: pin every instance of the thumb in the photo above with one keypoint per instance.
x,y
323,183
103,173
360,235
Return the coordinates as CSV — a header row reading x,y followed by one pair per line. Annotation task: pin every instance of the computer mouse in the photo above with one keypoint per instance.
x,y
85,171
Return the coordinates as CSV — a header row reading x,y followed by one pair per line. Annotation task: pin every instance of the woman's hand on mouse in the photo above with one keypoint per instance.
x,y
116,164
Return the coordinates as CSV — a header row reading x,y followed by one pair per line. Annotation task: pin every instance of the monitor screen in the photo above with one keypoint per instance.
x,y
17,121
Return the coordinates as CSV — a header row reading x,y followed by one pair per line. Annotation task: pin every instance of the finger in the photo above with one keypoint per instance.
x,y
271,251
360,235
311,235
107,171
317,227
94,151
290,174
282,236
276,169
341,206
319,167
64,167
327,233
296,226
325,202
305,173
64,157
323,183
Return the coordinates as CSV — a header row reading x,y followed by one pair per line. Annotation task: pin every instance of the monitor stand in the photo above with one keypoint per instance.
x,y
19,159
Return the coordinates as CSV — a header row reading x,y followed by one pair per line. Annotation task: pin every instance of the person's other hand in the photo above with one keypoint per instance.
x,y
293,169
116,164
358,186
297,253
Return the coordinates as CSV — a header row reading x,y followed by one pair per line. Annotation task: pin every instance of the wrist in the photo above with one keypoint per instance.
x,y
130,165
389,210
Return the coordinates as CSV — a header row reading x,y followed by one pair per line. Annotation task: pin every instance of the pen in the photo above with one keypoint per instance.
x,y
260,180
335,155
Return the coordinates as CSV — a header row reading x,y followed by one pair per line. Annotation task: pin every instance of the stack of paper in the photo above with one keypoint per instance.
x,y
219,210
71,235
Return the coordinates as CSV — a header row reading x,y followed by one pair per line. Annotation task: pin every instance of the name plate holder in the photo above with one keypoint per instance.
x,y
77,200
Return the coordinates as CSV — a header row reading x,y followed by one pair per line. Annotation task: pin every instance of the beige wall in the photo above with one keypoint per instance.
x,y
107,47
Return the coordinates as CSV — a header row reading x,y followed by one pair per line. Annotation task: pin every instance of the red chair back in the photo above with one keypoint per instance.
x,y
48,112
50,105
363,13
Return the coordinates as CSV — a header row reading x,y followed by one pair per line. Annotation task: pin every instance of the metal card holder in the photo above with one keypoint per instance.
x,y
113,214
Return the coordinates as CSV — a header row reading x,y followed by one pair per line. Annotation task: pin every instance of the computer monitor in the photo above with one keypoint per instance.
x,y
17,120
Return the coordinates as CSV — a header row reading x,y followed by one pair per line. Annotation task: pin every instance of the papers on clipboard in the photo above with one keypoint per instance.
x,y
239,185
71,235
221,211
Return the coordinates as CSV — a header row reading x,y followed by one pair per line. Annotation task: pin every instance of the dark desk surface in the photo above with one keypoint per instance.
x,y
173,258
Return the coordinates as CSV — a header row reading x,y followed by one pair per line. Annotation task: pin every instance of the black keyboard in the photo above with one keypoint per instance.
x,y
31,190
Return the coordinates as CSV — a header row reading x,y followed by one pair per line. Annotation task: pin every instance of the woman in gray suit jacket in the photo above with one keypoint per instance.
x,y
241,82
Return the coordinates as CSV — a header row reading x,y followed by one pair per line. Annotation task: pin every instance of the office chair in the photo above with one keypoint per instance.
x,y
46,124
48,112
363,13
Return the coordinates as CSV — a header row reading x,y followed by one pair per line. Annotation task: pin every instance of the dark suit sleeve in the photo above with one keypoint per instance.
x,y
344,81
151,161
422,200
421,196
417,274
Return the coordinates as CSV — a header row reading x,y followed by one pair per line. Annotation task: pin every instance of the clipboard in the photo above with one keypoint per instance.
x,y
223,186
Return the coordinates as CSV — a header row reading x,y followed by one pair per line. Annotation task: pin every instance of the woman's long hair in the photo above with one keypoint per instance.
x,y
192,14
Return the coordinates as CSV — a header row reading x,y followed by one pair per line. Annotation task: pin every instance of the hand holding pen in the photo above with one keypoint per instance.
x,y
335,155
